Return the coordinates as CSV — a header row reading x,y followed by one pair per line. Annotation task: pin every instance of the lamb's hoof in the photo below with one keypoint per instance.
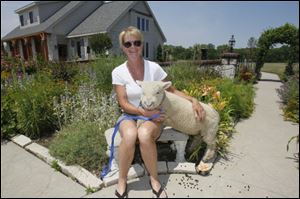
x,y
204,168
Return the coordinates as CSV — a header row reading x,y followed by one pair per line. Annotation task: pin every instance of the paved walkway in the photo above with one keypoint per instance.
x,y
258,164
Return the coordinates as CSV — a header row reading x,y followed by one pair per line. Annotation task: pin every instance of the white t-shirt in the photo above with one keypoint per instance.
x,y
122,76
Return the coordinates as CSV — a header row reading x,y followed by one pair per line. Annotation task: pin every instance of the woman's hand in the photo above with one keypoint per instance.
x,y
148,113
161,118
198,109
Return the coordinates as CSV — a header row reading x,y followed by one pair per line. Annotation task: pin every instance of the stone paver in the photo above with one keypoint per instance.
x,y
21,140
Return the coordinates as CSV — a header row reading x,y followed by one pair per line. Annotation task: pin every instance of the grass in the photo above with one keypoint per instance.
x,y
278,68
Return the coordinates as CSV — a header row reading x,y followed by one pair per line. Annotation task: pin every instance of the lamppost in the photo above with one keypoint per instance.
x,y
231,43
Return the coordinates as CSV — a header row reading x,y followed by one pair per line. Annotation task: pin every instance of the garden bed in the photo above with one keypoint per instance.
x,y
77,102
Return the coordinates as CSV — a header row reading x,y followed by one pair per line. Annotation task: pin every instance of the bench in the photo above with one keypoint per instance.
x,y
168,134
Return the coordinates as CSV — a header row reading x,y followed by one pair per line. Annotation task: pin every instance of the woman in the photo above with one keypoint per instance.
x,y
128,94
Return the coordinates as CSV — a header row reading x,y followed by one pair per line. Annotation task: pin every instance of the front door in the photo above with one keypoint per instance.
x,y
62,52
78,49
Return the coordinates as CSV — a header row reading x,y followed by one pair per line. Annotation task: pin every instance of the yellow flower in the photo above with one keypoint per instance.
x,y
222,105
217,95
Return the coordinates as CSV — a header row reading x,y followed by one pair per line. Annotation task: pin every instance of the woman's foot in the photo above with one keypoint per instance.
x,y
158,189
121,191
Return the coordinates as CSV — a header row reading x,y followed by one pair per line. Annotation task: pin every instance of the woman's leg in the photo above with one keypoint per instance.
x,y
148,132
128,132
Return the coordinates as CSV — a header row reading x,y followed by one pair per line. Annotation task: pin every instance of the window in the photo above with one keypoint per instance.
x,y
31,17
147,25
78,49
147,50
22,20
138,23
143,24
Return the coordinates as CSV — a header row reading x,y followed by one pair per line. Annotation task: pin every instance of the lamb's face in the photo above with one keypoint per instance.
x,y
152,93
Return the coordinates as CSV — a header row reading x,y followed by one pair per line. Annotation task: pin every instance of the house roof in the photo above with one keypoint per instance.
x,y
45,26
102,18
19,10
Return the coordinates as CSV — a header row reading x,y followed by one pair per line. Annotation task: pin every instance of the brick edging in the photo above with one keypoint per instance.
x,y
89,180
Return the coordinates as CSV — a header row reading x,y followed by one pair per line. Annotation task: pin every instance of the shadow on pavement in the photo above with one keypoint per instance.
x,y
270,80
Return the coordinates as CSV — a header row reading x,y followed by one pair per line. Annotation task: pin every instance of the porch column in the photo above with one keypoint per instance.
x,y
26,43
20,46
9,48
2,48
44,45
85,45
6,48
13,47
33,48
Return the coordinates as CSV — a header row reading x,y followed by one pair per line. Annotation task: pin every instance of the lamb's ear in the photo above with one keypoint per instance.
x,y
166,85
139,82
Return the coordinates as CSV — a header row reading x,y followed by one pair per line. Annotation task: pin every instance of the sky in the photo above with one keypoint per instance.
x,y
185,23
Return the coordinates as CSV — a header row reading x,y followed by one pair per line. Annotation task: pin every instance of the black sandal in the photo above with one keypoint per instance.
x,y
124,195
157,193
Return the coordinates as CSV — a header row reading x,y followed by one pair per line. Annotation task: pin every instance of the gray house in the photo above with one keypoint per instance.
x,y
59,30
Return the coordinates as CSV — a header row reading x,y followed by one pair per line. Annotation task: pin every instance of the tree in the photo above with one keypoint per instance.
x,y
159,53
222,49
100,43
252,43
212,52
286,34
167,52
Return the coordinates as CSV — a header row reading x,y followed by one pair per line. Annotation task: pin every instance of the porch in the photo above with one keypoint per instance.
x,y
28,48
49,47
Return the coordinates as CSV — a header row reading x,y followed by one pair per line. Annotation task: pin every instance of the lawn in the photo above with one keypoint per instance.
x,y
278,68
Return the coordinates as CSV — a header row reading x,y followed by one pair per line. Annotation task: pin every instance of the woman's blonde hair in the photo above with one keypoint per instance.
x,y
132,31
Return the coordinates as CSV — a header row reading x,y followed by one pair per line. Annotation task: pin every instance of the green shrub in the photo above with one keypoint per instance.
x,y
182,75
64,71
81,143
31,105
100,43
88,104
84,116
246,74
289,94
8,117
241,97
101,72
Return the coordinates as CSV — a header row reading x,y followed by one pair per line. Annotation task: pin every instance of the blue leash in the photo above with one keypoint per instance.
x,y
106,169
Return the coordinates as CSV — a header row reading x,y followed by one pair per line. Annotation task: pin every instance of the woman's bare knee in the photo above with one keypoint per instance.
x,y
144,135
128,132
148,132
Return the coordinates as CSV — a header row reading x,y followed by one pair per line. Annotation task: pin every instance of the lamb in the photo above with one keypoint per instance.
x,y
180,116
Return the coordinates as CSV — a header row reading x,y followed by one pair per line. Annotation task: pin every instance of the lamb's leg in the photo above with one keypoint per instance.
x,y
210,155
196,140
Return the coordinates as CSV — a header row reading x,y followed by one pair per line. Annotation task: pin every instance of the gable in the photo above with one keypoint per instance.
x,y
109,15
101,19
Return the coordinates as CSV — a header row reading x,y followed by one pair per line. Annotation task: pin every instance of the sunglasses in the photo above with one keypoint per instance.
x,y
128,44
